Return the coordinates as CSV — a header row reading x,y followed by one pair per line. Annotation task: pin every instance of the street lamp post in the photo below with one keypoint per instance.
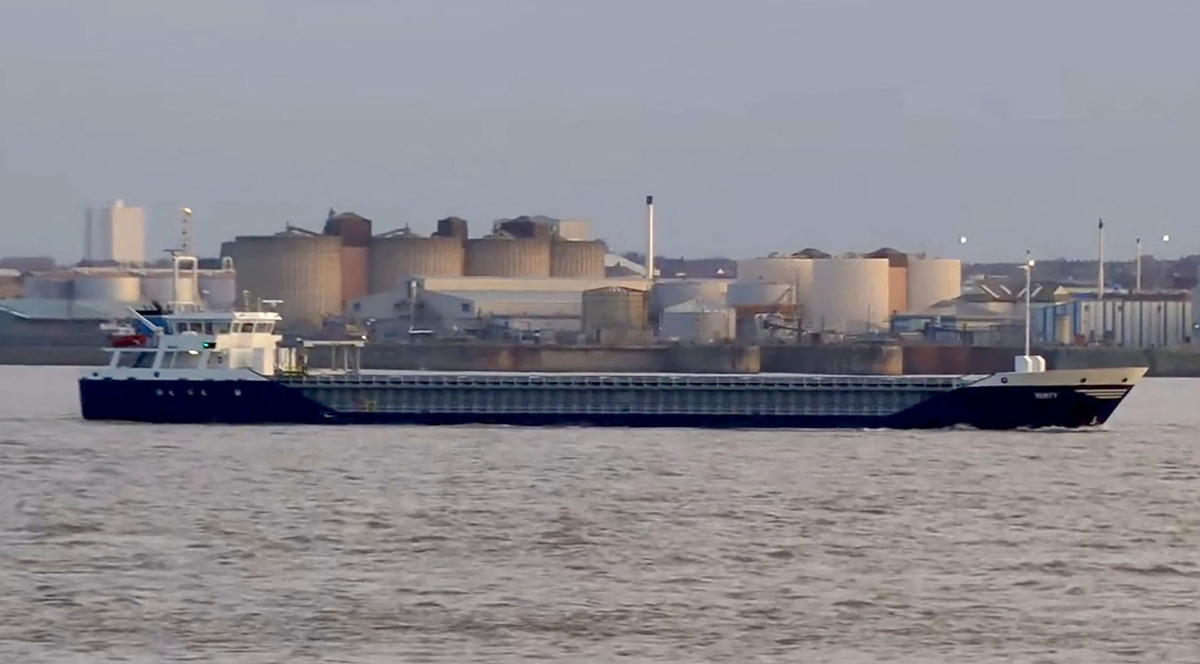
x,y
1028,299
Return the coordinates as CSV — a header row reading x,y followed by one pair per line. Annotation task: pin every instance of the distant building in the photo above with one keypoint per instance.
x,y
1133,320
115,234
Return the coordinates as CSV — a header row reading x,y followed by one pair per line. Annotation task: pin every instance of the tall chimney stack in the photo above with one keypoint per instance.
x,y
650,239
1100,277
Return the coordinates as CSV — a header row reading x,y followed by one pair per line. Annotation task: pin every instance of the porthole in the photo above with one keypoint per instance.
x,y
203,393
1082,381
171,393
1125,380
158,392
95,373
156,374
1003,379
237,392
191,392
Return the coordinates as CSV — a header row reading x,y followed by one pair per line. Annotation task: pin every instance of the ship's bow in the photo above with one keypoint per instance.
x,y
1068,398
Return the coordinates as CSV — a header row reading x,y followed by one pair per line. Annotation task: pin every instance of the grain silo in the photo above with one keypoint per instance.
x,y
933,280
670,292
396,258
109,286
604,309
696,322
578,259
850,296
897,278
502,256
303,270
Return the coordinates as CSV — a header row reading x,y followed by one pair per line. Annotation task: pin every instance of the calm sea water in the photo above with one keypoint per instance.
x,y
273,544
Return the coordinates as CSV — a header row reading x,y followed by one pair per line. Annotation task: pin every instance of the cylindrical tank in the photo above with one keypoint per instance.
x,y
670,292
797,272
850,295
110,287
1063,333
759,294
508,257
47,287
696,322
159,286
578,259
613,308
932,280
219,289
395,259
303,271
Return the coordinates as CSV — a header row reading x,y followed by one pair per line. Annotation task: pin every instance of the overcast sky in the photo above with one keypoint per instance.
x,y
759,125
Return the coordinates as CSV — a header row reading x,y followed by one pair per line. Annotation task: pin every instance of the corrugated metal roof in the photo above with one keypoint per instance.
x,y
99,310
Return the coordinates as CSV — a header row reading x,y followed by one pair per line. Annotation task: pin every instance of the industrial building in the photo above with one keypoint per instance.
x,y
115,234
1131,320
480,306
347,270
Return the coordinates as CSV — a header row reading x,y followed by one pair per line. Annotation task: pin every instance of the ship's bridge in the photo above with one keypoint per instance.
x,y
202,340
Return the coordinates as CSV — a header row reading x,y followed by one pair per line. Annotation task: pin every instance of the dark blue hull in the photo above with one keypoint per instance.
x,y
269,402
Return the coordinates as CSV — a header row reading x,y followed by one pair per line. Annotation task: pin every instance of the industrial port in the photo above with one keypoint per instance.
x,y
540,293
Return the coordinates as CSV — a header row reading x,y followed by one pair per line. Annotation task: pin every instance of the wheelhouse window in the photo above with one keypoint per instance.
x,y
181,360
135,359
263,328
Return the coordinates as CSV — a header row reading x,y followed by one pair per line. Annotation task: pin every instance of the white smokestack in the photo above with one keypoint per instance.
x,y
1100,284
650,239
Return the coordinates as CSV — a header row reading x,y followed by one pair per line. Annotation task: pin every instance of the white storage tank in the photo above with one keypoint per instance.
x,y
670,292
159,286
850,296
759,294
697,322
108,287
48,287
797,272
933,280
219,289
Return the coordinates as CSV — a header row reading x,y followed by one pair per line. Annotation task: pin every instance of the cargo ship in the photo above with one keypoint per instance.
x,y
192,366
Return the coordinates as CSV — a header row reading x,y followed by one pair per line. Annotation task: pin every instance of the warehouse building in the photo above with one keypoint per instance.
x,y
1132,320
